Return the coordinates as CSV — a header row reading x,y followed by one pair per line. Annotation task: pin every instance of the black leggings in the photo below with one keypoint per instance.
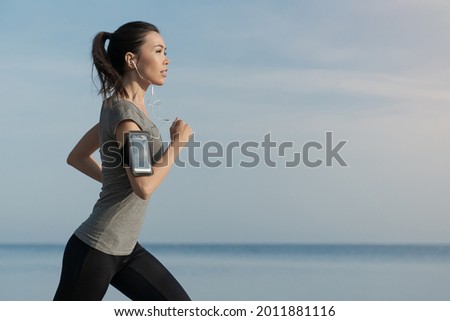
x,y
87,273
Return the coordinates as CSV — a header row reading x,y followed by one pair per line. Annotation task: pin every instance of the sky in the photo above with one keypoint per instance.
x,y
373,74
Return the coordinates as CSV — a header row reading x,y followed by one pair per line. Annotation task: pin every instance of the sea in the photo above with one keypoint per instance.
x,y
261,272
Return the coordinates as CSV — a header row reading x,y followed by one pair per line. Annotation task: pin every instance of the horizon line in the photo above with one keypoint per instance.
x,y
150,243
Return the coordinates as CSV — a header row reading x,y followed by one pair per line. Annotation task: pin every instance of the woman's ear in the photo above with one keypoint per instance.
x,y
130,60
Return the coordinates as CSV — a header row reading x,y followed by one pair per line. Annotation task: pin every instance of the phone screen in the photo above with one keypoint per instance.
x,y
140,154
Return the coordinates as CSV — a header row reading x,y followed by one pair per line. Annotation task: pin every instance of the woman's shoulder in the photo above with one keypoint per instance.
x,y
115,107
116,110
114,102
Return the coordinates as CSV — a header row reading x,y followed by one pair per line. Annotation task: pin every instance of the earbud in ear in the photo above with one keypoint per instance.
x,y
134,64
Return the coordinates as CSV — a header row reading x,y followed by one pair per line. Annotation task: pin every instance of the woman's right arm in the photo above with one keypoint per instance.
x,y
80,156
144,186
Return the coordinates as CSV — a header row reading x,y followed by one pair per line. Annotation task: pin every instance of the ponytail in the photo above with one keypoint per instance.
x,y
110,62
110,80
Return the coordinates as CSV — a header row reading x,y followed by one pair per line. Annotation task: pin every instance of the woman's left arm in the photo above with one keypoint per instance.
x,y
80,156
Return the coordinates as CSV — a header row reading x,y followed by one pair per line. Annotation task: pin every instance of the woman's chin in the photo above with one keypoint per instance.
x,y
159,83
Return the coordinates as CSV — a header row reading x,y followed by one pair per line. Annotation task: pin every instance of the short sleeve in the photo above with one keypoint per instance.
x,y
118,112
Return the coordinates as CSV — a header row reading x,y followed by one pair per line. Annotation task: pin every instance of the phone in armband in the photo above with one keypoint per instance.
x,y
139,153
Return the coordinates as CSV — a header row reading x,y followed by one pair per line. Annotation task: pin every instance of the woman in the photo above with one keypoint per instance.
x,y
104,249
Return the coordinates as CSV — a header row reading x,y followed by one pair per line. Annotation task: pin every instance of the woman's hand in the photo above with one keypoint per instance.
x,y
180,132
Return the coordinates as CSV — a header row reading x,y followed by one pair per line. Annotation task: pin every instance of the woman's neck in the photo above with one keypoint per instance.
x,y
136,91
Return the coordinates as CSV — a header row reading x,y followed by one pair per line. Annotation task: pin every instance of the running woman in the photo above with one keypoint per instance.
x,y
104,249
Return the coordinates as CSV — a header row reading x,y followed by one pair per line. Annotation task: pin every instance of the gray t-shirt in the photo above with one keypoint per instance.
x,y
117,217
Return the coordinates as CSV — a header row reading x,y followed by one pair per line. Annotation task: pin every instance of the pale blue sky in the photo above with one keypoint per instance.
x,y
374,73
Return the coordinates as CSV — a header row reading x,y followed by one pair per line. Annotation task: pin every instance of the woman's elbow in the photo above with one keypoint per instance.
x,y
75,160
145,195
143,192
143,186
71,159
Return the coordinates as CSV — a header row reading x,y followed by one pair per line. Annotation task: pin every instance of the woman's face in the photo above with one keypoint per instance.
x,y
152,60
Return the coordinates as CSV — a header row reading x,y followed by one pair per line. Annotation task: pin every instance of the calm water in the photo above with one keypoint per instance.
x,y
259,272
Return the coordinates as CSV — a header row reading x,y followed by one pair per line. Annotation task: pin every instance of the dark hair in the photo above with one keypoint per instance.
x,y
110,62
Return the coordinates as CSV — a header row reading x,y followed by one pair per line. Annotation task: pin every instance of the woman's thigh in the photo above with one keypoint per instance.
x,y
86,272
144,278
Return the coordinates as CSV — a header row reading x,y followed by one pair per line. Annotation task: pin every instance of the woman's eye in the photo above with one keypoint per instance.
x,y
160,51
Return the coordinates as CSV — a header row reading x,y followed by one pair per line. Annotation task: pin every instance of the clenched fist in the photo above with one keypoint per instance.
x,y
180,132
